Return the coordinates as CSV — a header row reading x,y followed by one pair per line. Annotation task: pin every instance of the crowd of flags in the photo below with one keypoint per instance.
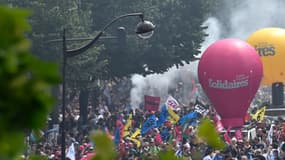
x,y
168,115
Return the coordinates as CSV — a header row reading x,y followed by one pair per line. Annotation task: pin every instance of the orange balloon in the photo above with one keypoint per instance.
x,y
270,44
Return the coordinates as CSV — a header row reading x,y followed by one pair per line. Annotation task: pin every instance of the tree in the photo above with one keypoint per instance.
x,y
177,38
25,82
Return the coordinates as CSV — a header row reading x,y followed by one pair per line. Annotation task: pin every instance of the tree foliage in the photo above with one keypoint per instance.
x,y
25,82
177,38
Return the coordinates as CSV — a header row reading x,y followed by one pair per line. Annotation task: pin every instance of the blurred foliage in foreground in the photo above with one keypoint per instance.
x,y
207,132
25,83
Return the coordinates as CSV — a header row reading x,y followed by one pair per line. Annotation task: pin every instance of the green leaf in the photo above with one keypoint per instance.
x,y
104,146
207,132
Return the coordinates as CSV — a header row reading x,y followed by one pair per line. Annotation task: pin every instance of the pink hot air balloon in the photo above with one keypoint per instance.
x,y
230,72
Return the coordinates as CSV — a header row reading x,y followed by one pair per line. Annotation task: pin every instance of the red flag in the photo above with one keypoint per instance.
x,y
227,137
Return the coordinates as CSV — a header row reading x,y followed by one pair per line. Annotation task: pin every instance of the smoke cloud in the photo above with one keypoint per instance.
x,y
239,19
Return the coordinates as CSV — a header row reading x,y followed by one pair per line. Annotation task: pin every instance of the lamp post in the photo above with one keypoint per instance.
x,y
144,30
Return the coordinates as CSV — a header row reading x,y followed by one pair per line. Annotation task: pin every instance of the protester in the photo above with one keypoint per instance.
x,y
147,133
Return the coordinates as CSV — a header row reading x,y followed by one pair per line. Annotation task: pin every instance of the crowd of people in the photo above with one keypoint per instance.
x,y
113,105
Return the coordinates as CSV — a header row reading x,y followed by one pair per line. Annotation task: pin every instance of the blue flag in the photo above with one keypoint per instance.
x,y
117,135
163,116
165,134
188,117
148,124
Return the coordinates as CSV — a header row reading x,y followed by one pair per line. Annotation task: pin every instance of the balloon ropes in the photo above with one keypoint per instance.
x,y
230,72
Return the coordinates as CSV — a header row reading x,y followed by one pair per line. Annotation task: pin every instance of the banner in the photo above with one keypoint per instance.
x,y
172,103
151,103
259,115
201,108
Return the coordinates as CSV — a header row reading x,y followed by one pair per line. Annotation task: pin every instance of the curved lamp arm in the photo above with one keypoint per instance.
x,y
74,52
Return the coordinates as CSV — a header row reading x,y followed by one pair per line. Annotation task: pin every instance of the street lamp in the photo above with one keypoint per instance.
x,y
144,30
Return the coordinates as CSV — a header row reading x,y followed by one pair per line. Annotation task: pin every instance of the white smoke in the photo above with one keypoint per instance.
x,y
239,21
251,15
159,84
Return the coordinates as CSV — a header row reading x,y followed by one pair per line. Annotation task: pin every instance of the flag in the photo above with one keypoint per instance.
x,y
173,116
259,115
165,134
134,137
270,134
136,141
219,124
163,116
127,126
151,103
188,117
172,103
148,124
227,137
117,136
71,152
136,133
200,108
119,131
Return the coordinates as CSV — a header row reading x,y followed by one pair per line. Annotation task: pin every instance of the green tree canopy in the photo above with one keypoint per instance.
x,y
25,82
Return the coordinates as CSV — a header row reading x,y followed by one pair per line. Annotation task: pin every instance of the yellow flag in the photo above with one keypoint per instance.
x,y
134,137
171,120
259,115
136,141
127,126
175,117
136,133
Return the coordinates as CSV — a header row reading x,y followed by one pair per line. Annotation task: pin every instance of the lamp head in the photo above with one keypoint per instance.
x,y
145,29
